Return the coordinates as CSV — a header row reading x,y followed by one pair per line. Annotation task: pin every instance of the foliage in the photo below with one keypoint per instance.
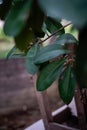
x,y
72,10
31,20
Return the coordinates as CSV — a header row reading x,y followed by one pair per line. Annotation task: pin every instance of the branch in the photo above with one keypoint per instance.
x,y
57,31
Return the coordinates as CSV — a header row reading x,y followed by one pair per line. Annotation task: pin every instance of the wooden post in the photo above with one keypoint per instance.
x,y
44,106
80,110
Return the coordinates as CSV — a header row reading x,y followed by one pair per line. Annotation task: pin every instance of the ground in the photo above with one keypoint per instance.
x,y
19,120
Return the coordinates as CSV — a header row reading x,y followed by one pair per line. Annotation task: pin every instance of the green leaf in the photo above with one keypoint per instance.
x,y
72,10
31,67
50,47
15,53
66,38
17,17
53,25
30,57
11,52
49,73
24,38
50,55
67,85
36,19
49,52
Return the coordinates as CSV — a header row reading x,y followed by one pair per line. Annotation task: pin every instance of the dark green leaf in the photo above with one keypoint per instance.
x,y
49,73
67,85
24,38
31,55
17,16
53,25
36,19
72,10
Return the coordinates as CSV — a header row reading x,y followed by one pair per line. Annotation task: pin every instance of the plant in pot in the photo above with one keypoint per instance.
x,y
32,23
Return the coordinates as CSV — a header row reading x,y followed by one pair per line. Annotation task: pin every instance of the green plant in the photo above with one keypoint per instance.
x,y
28,21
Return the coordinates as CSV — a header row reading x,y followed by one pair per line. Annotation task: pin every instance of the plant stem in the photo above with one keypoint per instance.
x,y
57,31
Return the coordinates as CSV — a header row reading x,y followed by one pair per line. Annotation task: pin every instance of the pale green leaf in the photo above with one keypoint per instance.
x,y
50,55
66,38
49,52
15,53
72,10
30,58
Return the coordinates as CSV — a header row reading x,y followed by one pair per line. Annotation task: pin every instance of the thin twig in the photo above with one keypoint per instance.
x,y
57,31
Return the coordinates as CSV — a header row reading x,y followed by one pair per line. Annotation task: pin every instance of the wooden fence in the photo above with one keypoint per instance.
x,y
16,86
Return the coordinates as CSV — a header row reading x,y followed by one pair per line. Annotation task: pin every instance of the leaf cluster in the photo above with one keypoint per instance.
x,y
31,23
